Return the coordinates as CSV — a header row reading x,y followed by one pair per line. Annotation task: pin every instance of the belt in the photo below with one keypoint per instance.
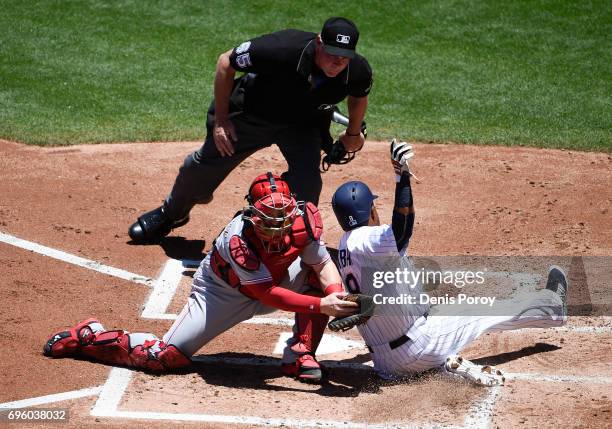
x,y
398,341
395,343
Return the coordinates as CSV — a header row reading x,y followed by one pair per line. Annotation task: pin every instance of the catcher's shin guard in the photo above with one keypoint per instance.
x,y
69,342
137,350
305,368
298,356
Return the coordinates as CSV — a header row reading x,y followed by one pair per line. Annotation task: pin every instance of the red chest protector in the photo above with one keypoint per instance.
x,y
306,228
278,262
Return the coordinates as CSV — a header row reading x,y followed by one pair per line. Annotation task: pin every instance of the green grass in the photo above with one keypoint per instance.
x,y
517,73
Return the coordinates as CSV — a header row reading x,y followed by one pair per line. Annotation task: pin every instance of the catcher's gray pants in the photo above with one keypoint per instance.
x,y
204,170
213,307
446,331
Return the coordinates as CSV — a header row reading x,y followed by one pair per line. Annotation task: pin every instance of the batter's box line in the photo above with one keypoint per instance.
x,y
478,416
75,260
114,389
55,397
112,392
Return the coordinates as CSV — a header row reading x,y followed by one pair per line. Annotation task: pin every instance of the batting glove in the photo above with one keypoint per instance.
x,y
401,152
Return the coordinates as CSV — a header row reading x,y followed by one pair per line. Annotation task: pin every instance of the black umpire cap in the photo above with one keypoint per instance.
x,y
340,37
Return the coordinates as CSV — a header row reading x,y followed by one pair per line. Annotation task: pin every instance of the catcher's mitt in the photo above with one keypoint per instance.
x,y
366,310
337,155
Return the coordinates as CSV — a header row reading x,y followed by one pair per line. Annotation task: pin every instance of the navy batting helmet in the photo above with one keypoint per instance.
x,y
352,204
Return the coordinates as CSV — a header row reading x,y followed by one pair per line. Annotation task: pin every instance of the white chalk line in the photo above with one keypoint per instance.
x,y
113,390
584,329
74,260
56,397
280,321
330,343
479,415
557,378
164,289
274,422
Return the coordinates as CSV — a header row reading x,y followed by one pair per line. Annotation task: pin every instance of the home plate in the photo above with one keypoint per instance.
x,y
329,344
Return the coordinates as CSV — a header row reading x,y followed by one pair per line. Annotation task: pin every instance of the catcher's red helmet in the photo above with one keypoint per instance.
x,y
265,184
272,210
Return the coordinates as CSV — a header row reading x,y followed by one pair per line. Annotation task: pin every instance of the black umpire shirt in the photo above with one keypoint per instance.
x,y
283,83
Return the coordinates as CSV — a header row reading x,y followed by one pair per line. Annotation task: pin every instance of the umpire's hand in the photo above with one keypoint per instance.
x,y
352,143
224,135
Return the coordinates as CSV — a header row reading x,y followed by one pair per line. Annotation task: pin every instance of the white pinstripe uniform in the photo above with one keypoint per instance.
x,y
431,338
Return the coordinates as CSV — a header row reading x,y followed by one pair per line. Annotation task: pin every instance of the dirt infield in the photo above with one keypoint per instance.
x,y
472,200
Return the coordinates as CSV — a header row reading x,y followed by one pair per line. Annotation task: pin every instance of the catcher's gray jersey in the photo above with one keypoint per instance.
x,y
314,253
214,306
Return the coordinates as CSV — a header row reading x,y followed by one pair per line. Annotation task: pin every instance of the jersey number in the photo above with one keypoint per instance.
x,y
344,258
351,283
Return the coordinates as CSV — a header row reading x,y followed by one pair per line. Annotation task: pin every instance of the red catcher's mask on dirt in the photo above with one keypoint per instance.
x,y
272,211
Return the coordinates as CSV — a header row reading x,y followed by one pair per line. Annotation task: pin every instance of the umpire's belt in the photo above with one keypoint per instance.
x,y
398,341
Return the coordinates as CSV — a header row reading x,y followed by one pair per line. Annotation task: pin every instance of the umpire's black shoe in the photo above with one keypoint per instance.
x,y
153,226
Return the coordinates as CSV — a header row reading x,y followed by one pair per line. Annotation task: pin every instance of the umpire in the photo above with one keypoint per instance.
x,y
292,80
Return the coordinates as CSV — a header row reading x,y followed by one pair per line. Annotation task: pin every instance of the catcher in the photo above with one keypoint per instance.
x,y
404,338
268,257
